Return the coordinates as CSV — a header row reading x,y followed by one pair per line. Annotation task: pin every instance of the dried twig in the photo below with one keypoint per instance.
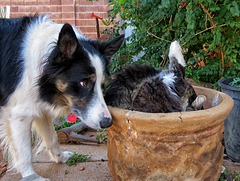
x,y
206,11
155,35
201,33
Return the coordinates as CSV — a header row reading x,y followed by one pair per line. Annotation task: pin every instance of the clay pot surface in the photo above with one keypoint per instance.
x,y
232,122
177,146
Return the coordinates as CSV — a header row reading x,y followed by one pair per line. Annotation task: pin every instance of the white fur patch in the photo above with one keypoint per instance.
x,y
176,51
99,109
169,79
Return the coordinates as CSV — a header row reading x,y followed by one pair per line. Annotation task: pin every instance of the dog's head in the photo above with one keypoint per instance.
x,y
75,74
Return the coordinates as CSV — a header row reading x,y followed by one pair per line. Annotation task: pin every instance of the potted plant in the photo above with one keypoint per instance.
x,y
231,86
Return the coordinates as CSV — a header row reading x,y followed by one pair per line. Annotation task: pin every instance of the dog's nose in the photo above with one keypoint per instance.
x,y
106,122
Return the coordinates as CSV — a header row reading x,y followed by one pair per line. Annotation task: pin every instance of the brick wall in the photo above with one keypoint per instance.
x,y
76,12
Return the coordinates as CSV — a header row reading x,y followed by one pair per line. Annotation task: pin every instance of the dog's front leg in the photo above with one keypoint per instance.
x,y
45,129
19,144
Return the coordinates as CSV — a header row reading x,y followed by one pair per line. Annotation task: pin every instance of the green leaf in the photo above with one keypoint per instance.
x,y
234,9
232,24
210,1
106,22
165,3
113,3
77,158
214,7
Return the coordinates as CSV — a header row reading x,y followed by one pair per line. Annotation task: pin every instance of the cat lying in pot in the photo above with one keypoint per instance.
x,y
147,89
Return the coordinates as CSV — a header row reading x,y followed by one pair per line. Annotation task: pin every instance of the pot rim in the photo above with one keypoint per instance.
x,y
218,112
224,84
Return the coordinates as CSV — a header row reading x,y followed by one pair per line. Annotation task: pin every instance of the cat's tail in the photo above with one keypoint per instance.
x,y
177,62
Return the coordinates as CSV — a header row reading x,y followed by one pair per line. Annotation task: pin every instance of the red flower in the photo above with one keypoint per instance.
x,y
121,9
137,2
93,15
184,4
72,118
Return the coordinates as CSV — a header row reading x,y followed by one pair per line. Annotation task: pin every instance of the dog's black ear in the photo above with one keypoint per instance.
x,y
109,48
67,42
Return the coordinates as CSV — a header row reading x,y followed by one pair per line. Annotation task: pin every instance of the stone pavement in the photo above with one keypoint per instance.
x,y
95,169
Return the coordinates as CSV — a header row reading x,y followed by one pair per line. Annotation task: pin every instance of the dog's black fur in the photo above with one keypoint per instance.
x,y
11,71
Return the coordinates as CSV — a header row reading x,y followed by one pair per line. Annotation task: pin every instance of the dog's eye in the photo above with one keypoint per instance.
x,y
84,83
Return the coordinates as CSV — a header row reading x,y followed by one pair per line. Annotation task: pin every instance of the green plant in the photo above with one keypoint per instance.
x,y
102,136
77,158
209,32
235,82
230,175
63,123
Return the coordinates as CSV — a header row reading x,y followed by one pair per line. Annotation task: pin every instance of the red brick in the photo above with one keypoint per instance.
x,y
79,2
31,2
34,13
53,9
92,8
86,3
17,2
65,13
57,21
68,16
5,2
86,22
34,9
67,9
24,8
103,8
101,28
106,2
56,16
56,2
41,9
67,2
90,35
49,8
81,8
71,22
99,2
17,15
13,9
88,29
44,2
104,15
84,15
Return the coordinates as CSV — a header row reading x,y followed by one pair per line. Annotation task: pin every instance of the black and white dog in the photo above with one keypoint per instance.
x,y
48,70
147,89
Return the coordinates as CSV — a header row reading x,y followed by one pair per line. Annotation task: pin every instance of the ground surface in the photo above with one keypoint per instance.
x,y
95,168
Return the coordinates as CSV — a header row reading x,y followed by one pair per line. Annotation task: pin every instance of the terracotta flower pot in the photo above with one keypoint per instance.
x,y
174,146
